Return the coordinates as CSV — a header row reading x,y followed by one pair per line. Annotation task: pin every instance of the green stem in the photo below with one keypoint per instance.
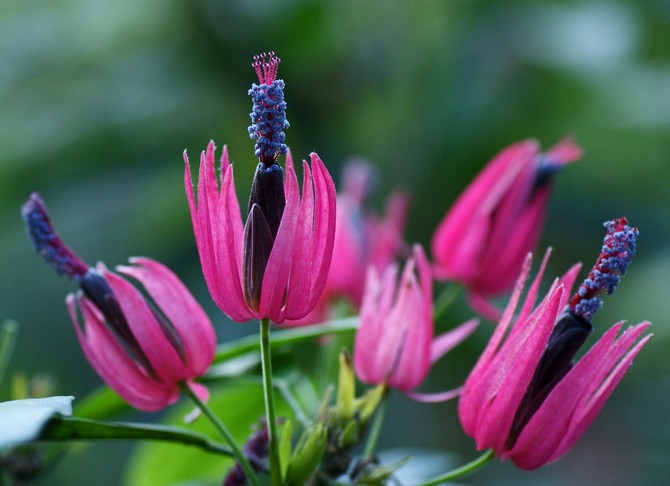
x,y
375,430
268,391
462,471
445,299
223,431
8,332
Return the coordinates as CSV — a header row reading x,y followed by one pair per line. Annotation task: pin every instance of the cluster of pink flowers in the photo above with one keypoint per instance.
x,y
525,398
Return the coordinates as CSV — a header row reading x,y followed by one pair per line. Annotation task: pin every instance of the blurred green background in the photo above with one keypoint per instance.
x,y
99,99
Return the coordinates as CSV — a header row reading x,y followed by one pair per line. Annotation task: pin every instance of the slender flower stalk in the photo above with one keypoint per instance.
x,y
526,398
394,344
497,220
223,431
141,347
268,393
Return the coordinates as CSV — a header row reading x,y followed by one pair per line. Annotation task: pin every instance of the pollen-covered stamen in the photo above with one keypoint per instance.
x,y
268,116
47,242
617,251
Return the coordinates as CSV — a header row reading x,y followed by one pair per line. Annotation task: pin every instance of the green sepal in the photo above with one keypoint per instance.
x,y
307,455
346,389
285,448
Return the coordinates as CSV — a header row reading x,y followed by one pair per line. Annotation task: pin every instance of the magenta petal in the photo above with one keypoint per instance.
x,y
459,239
565,151
324,227
597,401
113,364
566,412
156,347
510,375
277,270
300,282
434,397
377,302
193,327
412,332
228,233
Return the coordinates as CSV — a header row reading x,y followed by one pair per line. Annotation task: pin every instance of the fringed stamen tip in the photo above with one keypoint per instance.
x,y
266,70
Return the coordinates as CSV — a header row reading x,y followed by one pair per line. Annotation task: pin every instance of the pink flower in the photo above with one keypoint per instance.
x,y
143,350
276,265
526,398
361,239
394,343
497,220
146,358
250,274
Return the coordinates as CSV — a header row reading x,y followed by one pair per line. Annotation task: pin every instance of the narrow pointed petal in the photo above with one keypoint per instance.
x,y
324,228
229,235
565,151
113,364
559,423
512,371
588,415
275,280
155,345
467,222
192,325
300,282
434,397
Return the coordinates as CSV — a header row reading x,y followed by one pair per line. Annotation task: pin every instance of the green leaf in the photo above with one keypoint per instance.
x,y
23,420
238,405
72,428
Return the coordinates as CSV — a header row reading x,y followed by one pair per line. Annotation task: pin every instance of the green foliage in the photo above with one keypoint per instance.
x,y
238,405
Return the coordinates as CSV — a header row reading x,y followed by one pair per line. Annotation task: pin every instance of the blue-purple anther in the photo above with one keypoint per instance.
x,y
618,249
47,242
268,118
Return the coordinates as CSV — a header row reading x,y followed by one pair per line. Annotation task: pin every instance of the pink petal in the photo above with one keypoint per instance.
x,y
300,282
565,151
156,347
228,235
434,397
193,327
510,374
411,362
553,430
113,364
324,228
589,413
460,236
277,270
482,306
201,231
377,300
